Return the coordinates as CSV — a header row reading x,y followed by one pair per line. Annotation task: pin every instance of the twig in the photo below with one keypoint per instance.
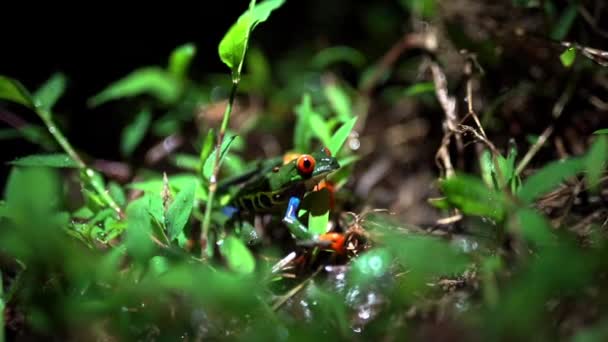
x,y
277,305
533,150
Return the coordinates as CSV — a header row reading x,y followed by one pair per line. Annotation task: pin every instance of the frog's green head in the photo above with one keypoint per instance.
x,y
307,168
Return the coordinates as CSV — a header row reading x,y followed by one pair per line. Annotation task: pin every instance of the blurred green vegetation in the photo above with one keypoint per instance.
x,y
156,257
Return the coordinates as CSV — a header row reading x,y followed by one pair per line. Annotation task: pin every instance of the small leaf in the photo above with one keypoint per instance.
x,y
48,94
185,161
601,131
548,178
59,160
534,227
207,147
595,161
13,91
179,211
319,128
318,215
302,130
117,193
339,138
486,166
210,162
419,88
562,27
339,101
139,229
568,57
133,134
237,255
149,80
471,195
337,54
234,44
180,60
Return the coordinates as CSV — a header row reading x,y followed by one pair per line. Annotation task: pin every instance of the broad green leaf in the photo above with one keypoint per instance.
x,y
133,134
186,161
419,88
548,178
601,131
534,227
595,161
33,191
339,101
302,130
567,57
139,229
180,60
210,162
13,91
48,94
152,81
473,197
337,54
179,211
238,256
318,215
339,138
234,44
563,25
58,160
117,193
319,128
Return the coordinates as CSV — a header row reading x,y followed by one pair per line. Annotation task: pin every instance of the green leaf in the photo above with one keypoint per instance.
x,y
473,197
58,160
179,211
419,88
177,182
259,71
180,60
238,256
318,216
48,94
210,162
302,130
207,147
234,44
159,265
186,161
13,91
339,138
548,178
339,102
152,81
534,227
595,161
568,57
563,25
139,229
319,128
117,193
486,166
601,131
337,54
133,134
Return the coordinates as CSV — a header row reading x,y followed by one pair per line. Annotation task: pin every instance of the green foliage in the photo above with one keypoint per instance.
x,y
338,54
318,216
48,94
134,133
567,57
473,197
12,90
180,60
233,46
237,255
58,160
340,136
152,81
563,25
180,210
548,178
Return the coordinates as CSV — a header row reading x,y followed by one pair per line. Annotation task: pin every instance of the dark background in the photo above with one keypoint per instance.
x,y
95,43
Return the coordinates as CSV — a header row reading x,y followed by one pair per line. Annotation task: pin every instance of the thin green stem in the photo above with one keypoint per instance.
x,y
216,168
86,171
2,304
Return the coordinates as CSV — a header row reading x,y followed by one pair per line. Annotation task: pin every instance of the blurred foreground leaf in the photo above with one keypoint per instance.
x,y
152,81
180,60
237,255
58,160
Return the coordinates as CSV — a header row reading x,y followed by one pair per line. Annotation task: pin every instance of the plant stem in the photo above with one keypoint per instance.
x,y
86,171
216,168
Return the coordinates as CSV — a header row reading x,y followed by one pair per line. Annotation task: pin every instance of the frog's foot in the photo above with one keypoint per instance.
x,y
291,220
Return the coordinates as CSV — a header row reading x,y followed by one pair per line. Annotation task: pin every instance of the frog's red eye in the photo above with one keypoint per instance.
x,y
306,164
327,151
